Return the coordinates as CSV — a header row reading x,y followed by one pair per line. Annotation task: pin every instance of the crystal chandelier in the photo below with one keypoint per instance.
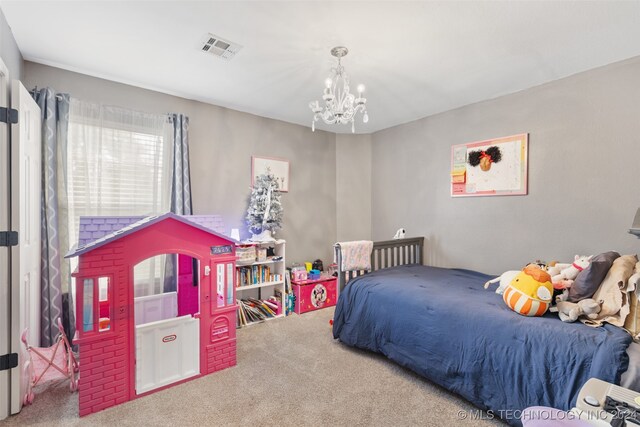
x,y
340,106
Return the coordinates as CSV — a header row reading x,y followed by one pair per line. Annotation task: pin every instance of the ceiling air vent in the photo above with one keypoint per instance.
x,y
219,47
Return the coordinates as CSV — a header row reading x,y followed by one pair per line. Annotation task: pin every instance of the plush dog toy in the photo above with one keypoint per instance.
x,y
529,294
504,279
570,272
507,277
399,234
570,311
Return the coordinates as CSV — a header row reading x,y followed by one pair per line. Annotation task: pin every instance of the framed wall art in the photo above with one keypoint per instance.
x,y
494,167
278,167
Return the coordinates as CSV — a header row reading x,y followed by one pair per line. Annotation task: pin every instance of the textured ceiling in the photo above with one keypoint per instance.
x,y
415,58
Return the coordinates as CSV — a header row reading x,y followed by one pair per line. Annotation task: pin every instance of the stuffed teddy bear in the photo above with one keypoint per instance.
x,y
570,311
571,271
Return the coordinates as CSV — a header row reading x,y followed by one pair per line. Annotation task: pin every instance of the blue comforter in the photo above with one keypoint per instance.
x,y
444,325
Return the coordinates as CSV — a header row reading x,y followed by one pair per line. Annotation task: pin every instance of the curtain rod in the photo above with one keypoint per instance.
x,y
35,89
58,96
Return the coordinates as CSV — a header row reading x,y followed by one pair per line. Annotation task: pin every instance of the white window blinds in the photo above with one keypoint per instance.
x,y
118,163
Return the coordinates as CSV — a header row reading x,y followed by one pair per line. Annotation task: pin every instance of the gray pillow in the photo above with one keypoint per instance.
x,y
588,280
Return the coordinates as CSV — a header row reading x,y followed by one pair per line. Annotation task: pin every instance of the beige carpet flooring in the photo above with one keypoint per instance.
x,y
290,372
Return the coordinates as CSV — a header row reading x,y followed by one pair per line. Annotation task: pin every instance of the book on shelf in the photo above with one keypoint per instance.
x,y
252,310
255,275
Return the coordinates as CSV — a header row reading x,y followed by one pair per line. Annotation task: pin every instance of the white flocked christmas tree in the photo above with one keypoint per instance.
x,y
264,215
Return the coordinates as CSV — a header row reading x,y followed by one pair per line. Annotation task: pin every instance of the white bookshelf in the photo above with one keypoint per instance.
x,y
264,289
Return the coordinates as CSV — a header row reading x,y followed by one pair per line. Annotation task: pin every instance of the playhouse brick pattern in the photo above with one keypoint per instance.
x,y
222,356
103,362
107,358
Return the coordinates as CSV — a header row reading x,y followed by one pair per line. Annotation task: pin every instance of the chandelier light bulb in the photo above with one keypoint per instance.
x,y
360,88
328,83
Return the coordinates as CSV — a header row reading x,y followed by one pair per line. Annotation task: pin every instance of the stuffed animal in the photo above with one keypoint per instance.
x,y
554,268
529,293
399,234
506,277
570,311
561,290
571,271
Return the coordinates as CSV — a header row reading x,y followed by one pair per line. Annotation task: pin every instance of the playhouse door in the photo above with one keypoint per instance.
x,y
25,219
217,318
166,351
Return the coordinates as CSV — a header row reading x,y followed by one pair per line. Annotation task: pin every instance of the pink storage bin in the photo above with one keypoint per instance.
x,y
313,295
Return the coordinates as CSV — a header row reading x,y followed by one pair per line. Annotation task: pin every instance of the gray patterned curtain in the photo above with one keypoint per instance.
x,y
55,300
180,186
181,181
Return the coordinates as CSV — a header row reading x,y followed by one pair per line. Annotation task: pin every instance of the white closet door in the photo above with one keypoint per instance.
x,y
25,219
5,320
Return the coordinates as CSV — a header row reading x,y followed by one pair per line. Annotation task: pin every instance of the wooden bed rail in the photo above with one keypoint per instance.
x,y
387,253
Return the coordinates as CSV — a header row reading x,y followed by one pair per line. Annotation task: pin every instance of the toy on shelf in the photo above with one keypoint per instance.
x,y
317,265
313,274
183,327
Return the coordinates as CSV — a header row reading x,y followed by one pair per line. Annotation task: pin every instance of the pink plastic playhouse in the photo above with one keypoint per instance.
x,y
136,337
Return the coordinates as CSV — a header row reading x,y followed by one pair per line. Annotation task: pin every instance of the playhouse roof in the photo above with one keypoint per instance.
x,y
98,231
92,228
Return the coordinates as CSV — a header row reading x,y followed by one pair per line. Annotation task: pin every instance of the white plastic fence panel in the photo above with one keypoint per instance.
x,y
166,351
153,308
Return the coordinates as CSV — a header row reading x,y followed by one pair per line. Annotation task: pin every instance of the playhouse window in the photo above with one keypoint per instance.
x,y
96,305
104,304
87,305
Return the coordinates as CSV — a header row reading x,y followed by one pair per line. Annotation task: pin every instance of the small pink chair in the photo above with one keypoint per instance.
x,y
49,363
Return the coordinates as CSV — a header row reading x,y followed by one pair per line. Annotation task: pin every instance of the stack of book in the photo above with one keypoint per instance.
x,y
254,275
252,310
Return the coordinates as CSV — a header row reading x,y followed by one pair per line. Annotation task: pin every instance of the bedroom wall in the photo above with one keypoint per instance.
x,y
222,142
584,184
353,186
9,51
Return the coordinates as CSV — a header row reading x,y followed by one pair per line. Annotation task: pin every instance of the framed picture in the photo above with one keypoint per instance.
x,y
495,167
278,167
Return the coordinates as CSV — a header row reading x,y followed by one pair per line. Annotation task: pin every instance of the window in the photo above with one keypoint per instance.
x,y
96,305
87,305
119,163
104,304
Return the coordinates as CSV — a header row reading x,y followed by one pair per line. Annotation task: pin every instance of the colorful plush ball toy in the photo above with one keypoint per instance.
x,y
529,293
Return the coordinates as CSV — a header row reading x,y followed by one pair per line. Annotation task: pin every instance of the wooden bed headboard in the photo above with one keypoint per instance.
x,y
387,253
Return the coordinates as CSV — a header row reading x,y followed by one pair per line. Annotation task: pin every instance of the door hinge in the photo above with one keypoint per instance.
x,y
8,361
8,238
8,115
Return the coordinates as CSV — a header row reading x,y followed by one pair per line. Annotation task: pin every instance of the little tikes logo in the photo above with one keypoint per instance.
x,y
169,338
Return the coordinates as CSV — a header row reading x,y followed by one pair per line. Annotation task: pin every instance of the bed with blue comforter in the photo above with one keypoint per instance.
x,y
442,324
